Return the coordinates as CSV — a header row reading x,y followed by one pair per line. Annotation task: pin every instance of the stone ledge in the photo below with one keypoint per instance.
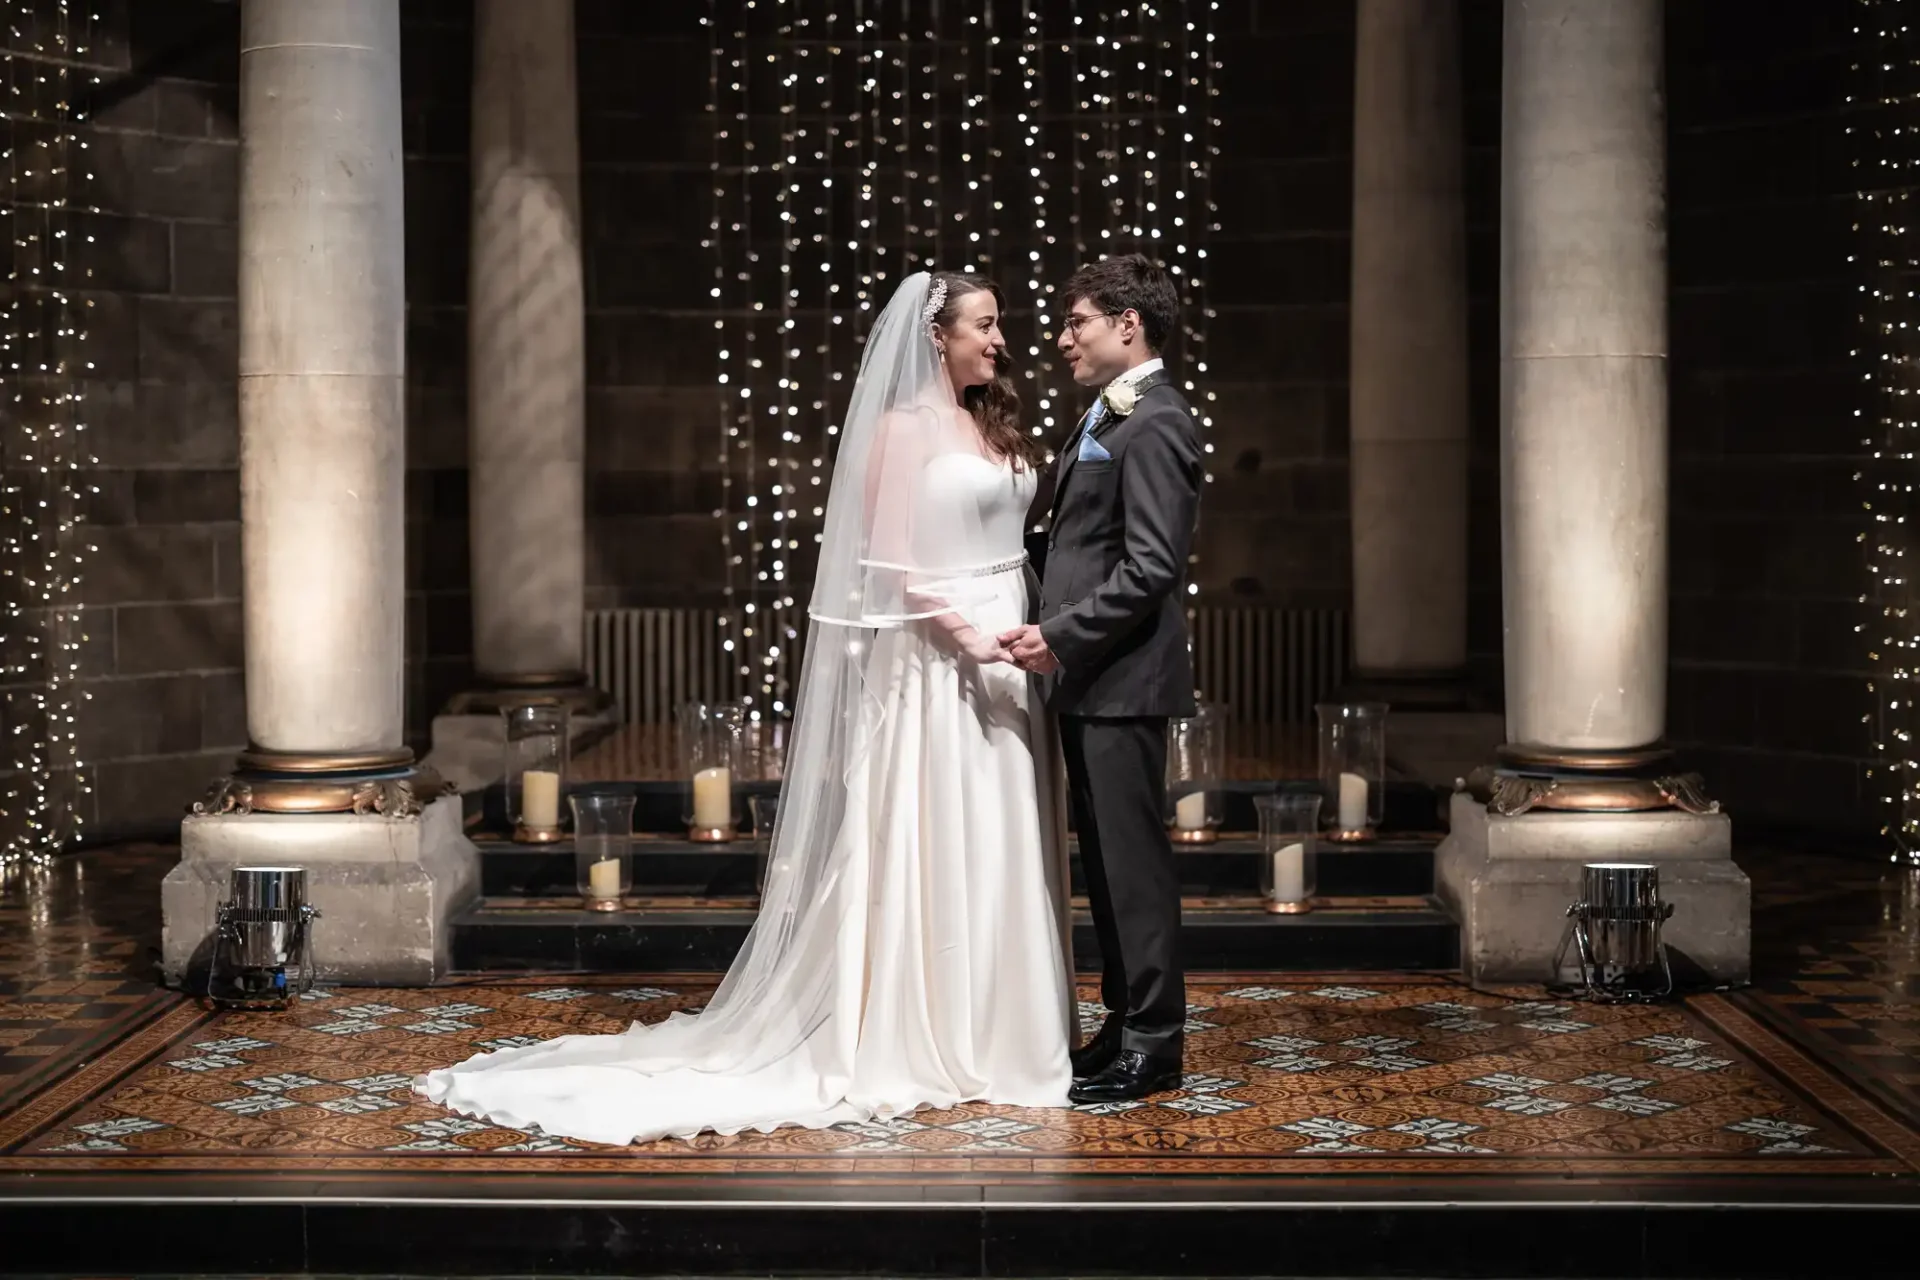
x,y
1663,835
387,889
1510,881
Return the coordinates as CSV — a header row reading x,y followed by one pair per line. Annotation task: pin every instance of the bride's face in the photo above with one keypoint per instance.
x,y
972,341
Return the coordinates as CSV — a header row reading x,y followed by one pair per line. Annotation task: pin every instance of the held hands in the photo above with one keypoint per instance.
x,y
983,648
1027,649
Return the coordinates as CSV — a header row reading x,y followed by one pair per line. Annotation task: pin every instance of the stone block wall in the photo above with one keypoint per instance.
x,y
1767,688
162,587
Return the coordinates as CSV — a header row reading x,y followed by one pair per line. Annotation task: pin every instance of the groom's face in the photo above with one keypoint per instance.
x,y
1094,343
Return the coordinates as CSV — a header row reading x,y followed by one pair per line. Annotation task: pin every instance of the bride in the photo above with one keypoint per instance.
x,y
911,948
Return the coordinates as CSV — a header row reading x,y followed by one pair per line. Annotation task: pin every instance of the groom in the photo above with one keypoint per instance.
x,y
1113,635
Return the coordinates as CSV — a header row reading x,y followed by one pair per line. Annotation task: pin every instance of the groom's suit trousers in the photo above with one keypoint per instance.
x,y
1132,886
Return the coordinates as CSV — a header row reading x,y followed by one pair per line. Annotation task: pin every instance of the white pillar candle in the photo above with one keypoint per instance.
x,y
603,878
1353,802
540,798
713,798
1290,873
1190,814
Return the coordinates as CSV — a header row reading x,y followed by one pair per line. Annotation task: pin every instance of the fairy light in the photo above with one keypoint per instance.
x,y
771,503
978,156
1038,268
902,123
728,386
813,497
43,370
1151,131
1100,81
1882,102
860,192
930,122
1204,65
872,150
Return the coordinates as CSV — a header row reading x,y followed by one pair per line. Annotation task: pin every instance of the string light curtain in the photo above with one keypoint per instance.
x,y
1884,110
857,141
43,366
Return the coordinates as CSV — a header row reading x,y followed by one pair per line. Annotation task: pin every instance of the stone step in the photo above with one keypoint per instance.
x,y
664,865
668,934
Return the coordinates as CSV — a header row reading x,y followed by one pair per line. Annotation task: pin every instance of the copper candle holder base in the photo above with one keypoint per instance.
x,y
1188,835
524,834
603,904
1361,836
713,835
1288,908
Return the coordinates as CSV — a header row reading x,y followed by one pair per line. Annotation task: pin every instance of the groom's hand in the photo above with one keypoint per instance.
x,y
1029,650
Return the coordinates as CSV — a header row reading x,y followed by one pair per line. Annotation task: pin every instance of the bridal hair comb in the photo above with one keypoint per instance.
x,y
936,299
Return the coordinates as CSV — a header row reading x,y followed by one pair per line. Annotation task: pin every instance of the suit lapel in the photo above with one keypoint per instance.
x,y
1071,453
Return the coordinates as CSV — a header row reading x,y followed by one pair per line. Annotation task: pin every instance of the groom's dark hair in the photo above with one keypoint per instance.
x,y
1129,282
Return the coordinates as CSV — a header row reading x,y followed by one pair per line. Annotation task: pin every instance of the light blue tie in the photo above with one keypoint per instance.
x,y
1094,417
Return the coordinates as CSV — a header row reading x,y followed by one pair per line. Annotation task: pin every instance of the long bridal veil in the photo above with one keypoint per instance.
x,y
885,526
798,984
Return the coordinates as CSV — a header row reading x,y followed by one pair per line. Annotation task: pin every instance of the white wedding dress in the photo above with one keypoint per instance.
x,y
912,949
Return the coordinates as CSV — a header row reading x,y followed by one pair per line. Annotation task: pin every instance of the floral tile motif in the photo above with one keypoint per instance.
x,y
1407,1075
1813,1071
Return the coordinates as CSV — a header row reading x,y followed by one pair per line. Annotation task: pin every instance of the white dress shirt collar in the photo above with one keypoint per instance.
x,y
1139,371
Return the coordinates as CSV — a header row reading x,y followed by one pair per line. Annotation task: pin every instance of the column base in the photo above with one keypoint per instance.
x,y
1510,879
385,782
387,889
1639,780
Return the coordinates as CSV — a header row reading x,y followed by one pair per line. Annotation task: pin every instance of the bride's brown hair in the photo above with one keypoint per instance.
x,y
996,405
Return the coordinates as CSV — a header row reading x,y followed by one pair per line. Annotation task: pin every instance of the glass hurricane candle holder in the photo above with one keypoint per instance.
x,y
536,770
603,847
763,750
1289,830
1353,767
1195,763
765,810
712,748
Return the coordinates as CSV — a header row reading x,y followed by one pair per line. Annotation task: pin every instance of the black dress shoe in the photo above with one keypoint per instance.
x,y
1092,1057
1130,1075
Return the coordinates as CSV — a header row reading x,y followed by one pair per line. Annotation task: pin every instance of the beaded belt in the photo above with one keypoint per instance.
x,y
984,570
964,571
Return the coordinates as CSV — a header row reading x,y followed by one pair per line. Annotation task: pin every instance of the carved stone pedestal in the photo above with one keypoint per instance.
x,y
387,889
1510,880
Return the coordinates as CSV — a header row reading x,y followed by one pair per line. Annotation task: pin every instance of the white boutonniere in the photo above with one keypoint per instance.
x,y
1120,398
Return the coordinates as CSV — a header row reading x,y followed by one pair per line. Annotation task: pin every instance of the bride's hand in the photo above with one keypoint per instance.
x,y
984,649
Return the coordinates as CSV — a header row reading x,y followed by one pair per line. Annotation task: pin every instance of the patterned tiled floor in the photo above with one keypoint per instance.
x,y
1810,1073
1837,968
74,968
1403,1076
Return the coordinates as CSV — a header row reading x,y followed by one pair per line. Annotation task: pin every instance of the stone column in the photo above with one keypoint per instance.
x,y
1408,377
1584,775
326,784
322,377
526,317
1583,377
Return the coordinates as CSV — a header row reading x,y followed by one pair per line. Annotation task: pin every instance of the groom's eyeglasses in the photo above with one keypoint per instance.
x,y
1075,323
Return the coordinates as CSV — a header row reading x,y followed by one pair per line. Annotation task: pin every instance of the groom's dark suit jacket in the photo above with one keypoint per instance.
x,y
1114,562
